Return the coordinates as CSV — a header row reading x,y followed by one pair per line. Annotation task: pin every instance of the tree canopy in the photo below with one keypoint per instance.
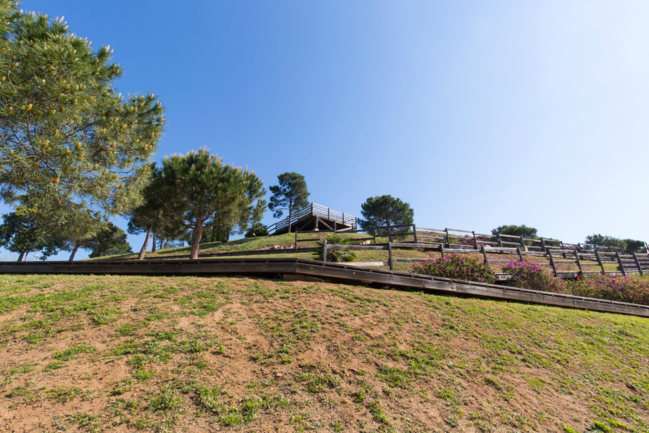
x,y
199,191
514,230
628,246
21,233
109,241
289,195
387,211
65,134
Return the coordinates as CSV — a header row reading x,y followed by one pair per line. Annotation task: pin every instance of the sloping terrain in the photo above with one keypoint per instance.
x,y
284,245
109,353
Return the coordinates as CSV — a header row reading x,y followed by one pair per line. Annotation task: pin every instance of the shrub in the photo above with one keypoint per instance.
x,y
622,289
456,267
335,255
257,230
532,276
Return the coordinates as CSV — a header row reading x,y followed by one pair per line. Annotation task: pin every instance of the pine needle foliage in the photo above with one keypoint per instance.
x,y
64,132
199,191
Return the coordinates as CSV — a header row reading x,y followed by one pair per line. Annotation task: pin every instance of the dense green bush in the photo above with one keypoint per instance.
x,y
335,255
532,276
456,267
257,230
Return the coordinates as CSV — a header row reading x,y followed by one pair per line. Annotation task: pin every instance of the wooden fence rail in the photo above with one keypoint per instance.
x,y
446,242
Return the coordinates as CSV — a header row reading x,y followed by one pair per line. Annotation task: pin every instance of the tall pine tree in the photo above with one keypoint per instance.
x,y
65,134
199,191
291,194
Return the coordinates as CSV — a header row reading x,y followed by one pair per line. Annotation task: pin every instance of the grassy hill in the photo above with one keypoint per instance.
x,y
287,242
189,354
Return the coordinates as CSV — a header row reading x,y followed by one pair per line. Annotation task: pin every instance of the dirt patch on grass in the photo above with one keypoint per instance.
x,y
85,353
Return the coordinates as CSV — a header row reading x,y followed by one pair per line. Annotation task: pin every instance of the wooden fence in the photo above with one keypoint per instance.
x,y
447,241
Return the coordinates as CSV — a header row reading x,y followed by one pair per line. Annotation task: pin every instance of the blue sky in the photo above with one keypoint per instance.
x,y
476,113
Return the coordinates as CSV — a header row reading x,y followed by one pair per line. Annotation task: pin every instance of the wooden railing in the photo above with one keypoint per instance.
x,y
556,251
313,209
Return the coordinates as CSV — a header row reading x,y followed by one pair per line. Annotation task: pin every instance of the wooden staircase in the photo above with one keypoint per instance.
x,y
314,217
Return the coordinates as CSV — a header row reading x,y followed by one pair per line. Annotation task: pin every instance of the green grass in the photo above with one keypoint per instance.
x,y
287,241
243,354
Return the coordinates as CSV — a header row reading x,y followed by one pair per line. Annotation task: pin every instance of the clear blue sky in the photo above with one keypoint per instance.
x,y
476,113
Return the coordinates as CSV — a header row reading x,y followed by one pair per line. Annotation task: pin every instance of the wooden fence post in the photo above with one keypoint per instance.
x,y
545,250
475,241
441,250
523,243
343,218
520,255
619,260
390,254
581,271
637,262
500,241
335,227
484,254
324,251
599,260
311,208
448,239
414,230
554,267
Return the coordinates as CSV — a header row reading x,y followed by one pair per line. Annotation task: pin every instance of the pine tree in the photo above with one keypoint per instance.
x,y
109,241
291,194
65,135
198,191
386,211
21,233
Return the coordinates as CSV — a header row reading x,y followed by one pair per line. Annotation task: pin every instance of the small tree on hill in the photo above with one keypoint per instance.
x,y
291,194
634,246
605,241
109,241
21,233
151,219
386,211
198,191
514,230
65,132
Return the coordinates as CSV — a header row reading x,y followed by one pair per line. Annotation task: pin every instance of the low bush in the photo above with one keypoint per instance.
x,y
456,267
622,289
532,276
335,255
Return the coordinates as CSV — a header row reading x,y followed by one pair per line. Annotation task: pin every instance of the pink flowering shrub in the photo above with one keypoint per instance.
x,y
456,267
532,276
622,289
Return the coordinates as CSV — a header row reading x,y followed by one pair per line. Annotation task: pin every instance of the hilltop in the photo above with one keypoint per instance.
x,y
110,353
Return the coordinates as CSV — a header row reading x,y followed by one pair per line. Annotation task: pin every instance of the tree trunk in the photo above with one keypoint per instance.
x,y
389,230
196,242
26,254
145,246
290,214
153,249
20,258
74,251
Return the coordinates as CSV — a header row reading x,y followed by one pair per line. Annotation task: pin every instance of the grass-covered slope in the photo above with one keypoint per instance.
x,y
109,353
286,242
